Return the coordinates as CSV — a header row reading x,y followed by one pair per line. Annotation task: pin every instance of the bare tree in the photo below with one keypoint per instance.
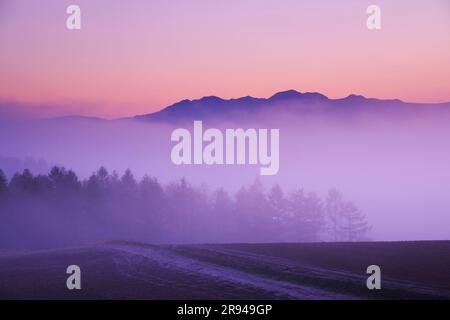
x,y
347,222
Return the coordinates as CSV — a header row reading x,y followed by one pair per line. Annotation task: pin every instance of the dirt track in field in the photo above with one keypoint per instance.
x,y
123,270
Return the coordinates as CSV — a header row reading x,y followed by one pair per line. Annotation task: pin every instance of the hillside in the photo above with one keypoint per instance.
x,y
122,270
286,102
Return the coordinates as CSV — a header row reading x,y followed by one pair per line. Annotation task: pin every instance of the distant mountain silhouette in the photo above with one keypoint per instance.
x,y
75,118
290,101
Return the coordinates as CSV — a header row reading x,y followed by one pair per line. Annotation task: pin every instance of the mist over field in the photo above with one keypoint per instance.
x,y
160,150
392,160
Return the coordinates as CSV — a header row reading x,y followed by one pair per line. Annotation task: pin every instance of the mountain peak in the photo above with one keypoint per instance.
x,y
289,94
293,94
355,97
211,99
292,101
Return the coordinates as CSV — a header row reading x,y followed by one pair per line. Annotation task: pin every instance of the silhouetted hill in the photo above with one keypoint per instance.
x,y
291,102
130,270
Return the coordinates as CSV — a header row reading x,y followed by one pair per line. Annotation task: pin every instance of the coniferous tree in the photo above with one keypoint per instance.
x,y
222,217
306,215
151,207
22,184
278,207
3,184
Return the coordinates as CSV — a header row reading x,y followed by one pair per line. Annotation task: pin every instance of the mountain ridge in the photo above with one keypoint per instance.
x,y
290,101
285,101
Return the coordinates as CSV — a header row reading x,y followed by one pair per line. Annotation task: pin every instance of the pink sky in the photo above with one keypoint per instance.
x,y
136,57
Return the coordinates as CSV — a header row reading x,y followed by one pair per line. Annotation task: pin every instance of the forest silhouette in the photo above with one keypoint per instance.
x,y
59,210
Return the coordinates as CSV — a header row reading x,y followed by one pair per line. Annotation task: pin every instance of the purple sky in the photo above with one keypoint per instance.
x,y
139,56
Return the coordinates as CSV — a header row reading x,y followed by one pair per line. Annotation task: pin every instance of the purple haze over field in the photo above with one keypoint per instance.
x,y
389,158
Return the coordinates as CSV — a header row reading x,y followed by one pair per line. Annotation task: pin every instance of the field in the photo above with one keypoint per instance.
x,y
125,270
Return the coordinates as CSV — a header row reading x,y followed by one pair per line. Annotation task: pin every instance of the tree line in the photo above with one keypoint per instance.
x,y
59,209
